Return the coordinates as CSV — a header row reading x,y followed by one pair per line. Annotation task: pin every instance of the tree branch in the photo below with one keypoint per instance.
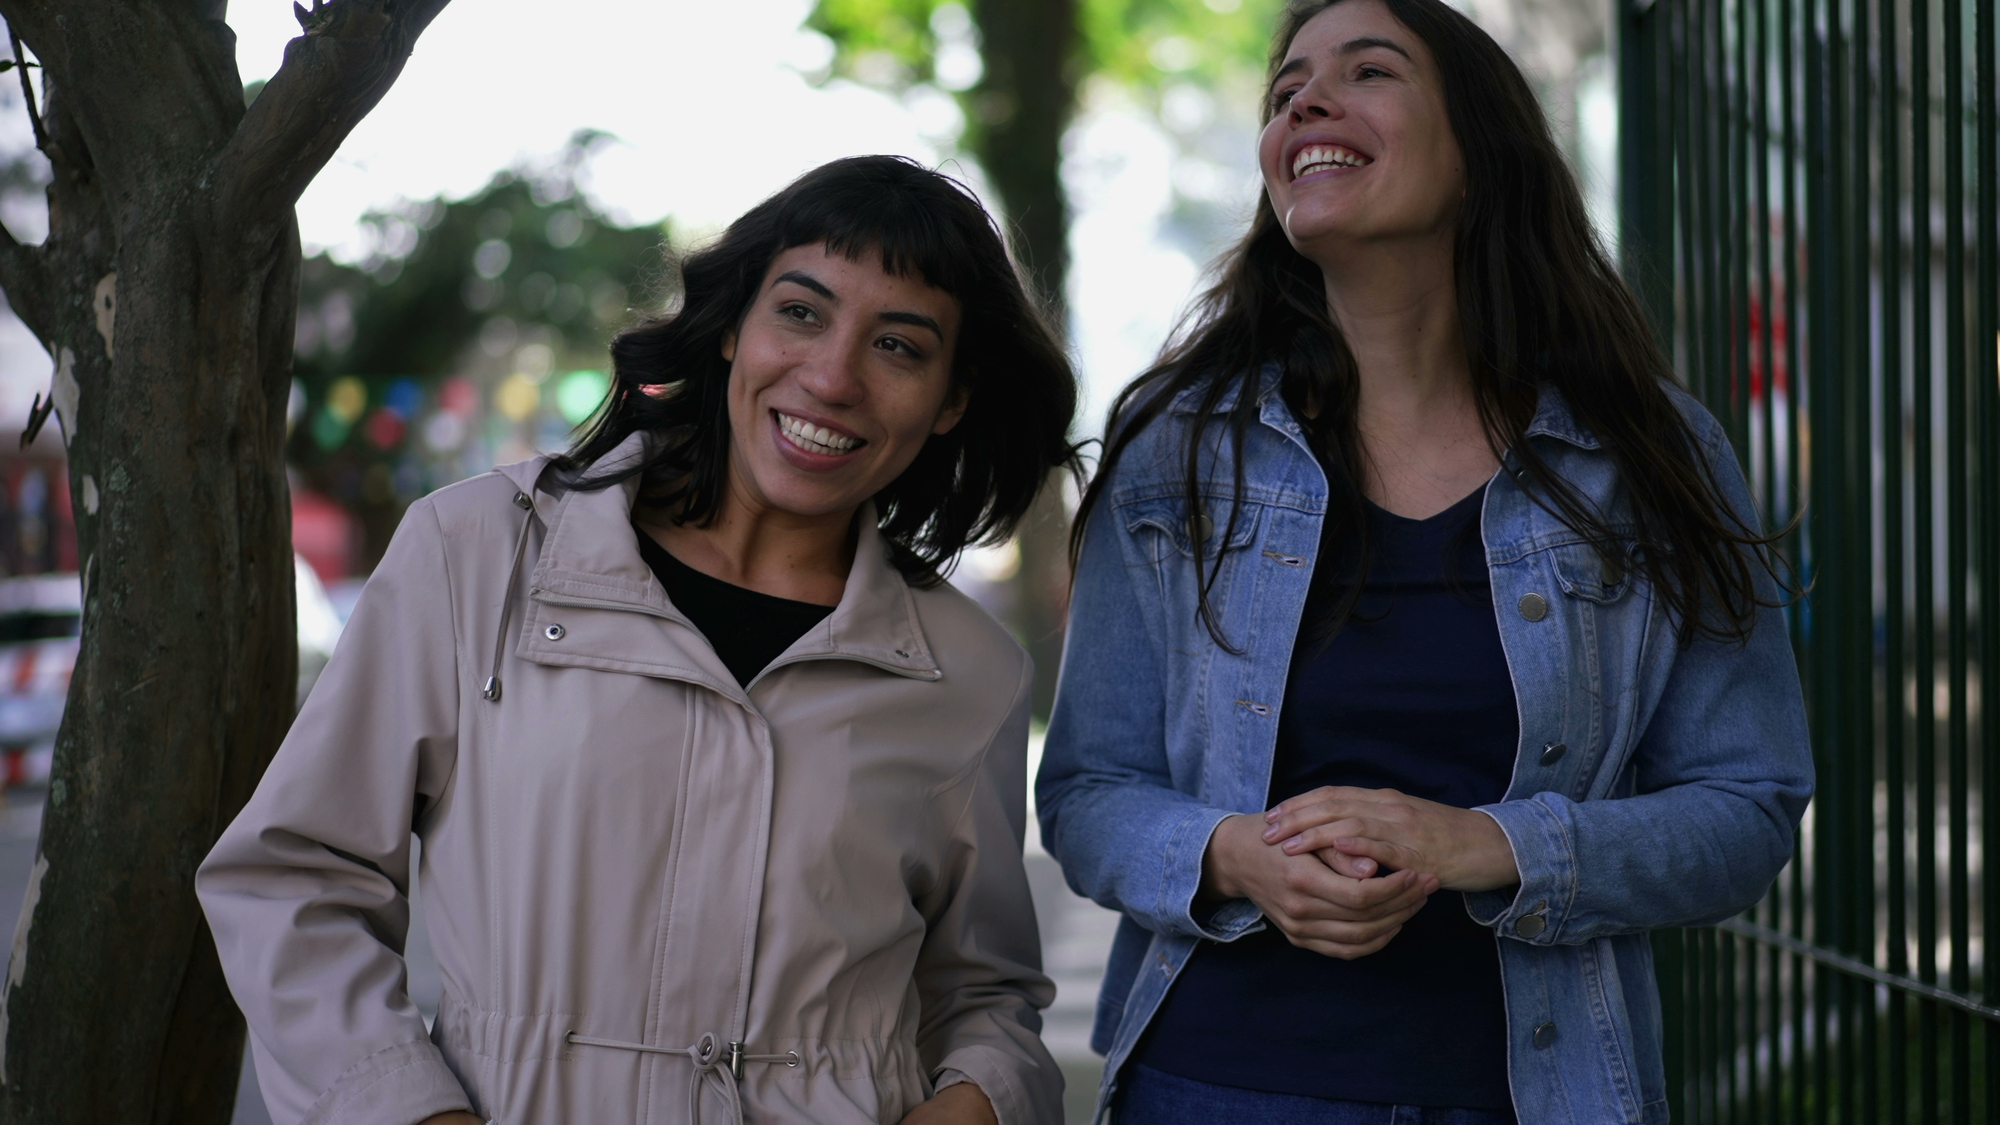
x,y
28,92
351,53
25,280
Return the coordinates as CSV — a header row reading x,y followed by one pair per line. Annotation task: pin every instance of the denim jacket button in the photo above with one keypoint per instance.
x,y
1545,1035
1531,928
1534,607
1201,527
1553,753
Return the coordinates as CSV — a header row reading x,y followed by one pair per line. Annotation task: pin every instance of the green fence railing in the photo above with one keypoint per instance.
x,y
1808,207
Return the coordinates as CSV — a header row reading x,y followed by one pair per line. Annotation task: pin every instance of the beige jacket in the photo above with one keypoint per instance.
x,y
635,871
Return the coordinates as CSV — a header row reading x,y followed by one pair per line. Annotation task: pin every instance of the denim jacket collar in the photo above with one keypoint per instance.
x,y
1552,412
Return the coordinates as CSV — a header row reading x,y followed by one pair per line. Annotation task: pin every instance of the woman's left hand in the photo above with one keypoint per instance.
x,y
1465,849
960,1104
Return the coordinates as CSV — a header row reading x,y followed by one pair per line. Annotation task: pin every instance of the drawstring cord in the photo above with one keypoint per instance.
x,y
491,690
711,1064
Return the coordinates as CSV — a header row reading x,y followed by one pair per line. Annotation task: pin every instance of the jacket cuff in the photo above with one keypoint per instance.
x,y
1181,884
1534,911
399,1085
998,1076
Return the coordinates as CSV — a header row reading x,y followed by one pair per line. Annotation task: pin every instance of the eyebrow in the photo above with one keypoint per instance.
x,y
1347,48
918,320
802,278
808,281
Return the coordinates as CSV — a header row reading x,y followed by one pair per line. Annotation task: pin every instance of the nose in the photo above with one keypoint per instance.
x,y
833,372
1313,101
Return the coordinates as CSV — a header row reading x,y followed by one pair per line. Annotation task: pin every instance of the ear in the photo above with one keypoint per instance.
x,y
955,402
729,346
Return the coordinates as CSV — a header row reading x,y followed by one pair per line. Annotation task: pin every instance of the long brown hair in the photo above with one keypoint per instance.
x,y
1539,304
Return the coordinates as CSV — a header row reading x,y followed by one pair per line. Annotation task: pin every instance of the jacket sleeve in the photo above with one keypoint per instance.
x,y
979,974
1722,774
307,890
1126,835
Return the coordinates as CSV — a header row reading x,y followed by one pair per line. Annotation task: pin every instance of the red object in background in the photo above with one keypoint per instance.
x,y
384,428
458,396
324,534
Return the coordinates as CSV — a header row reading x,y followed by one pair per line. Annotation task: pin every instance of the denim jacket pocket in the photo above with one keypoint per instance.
x,y
1166,523
1586,573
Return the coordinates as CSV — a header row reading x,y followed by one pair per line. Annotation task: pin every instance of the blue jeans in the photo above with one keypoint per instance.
x,y
1154,1097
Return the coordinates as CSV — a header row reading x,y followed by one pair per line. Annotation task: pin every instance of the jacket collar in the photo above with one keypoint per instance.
x,y
1553,419
1552,412
590,555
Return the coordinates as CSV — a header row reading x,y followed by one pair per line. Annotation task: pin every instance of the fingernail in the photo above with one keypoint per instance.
x,y
1272,815
1295,843
1270,833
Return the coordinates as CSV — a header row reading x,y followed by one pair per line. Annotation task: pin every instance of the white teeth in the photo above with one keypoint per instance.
x,y
814,439
1314,158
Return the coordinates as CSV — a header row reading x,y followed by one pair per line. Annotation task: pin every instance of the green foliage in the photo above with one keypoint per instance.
x,y
523,281
867,33
1145,45
1148,44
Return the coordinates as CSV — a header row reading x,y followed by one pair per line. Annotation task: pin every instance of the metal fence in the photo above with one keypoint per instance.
x,y
1808,206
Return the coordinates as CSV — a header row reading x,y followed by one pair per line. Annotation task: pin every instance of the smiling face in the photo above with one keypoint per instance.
x,y
1359,146
838,373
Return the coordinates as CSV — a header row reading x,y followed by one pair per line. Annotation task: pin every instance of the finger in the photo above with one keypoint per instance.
x,y
1351,866
1327,793
1352,952
1334,833
1338,897
1387,856
1306,817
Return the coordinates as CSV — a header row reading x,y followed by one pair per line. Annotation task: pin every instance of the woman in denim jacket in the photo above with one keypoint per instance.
x,y
1424,652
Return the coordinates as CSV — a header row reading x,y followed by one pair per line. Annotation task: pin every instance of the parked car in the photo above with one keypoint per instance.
x,y
40,618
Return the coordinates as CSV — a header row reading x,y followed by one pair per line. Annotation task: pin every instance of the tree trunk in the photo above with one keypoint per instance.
x,y
1019,113
166,292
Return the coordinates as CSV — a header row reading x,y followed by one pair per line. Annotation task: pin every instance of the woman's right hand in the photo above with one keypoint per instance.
x,y
1315,906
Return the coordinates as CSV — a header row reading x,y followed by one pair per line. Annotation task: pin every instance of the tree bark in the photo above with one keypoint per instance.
x,y
1020,110
166,293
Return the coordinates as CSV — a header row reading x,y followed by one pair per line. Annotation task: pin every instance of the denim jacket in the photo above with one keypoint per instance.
x,y
1656,784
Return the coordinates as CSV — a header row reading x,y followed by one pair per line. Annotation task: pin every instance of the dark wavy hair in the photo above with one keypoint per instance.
x,y
1539,304
970,485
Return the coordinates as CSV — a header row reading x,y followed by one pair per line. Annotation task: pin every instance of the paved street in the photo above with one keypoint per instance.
x,y
1076,935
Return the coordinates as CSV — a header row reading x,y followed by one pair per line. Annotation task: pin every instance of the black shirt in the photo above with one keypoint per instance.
x,y
747,629
1412,694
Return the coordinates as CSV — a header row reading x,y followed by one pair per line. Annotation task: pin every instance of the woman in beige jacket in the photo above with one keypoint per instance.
x,y
720,788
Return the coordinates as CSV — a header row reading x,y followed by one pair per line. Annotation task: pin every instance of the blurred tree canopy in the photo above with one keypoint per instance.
x,y
1141,44
474,332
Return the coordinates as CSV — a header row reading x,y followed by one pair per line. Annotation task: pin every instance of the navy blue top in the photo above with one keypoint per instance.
x,y
1412,694
747,629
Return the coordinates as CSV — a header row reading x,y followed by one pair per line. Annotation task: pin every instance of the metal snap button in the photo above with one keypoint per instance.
x,y
1545,1035
1553,753
1201,527
1531,927
1534,607
521,501
553,632
1612,573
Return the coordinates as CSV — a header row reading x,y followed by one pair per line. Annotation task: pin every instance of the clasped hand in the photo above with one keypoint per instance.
x,y
1313,864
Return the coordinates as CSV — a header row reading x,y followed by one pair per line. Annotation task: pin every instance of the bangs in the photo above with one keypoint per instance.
x,y
855,216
